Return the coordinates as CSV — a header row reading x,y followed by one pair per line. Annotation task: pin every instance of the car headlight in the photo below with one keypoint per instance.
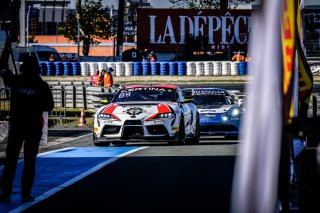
x,y
165,115
235,112
104,116
224,118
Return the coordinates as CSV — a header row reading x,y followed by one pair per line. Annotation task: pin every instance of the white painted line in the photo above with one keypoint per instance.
x,y
72,181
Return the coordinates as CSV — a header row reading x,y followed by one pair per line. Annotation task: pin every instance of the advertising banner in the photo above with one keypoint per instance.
x,y
170,30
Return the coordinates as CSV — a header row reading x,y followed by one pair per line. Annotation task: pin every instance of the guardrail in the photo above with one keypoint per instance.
x,y
80,94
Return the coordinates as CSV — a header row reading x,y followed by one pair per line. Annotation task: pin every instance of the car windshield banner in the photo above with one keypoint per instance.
x,y
170,29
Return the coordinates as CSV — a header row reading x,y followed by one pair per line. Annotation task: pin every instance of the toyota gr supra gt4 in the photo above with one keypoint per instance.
x,y
218,112
147,113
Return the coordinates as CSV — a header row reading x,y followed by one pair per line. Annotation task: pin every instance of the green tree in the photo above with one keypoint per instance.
x,y
94,24
207,4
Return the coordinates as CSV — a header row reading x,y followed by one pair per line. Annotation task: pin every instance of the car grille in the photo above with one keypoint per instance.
x,y
133,122
133,132
132,129
157,130
110,130
208,128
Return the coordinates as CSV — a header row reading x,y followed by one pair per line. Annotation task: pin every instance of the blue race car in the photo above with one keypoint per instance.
x,y
218,112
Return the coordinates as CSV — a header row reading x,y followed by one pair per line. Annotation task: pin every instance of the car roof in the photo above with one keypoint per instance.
x,y
167,86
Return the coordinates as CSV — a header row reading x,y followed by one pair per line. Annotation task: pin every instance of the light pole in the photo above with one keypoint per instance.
x,y
78,22
22,23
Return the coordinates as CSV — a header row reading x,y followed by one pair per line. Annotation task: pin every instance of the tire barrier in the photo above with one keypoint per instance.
x,y
173,68
208,70
119,71
75,68
51,69
217,68
137,68
146,68
191,68
164,68
102,65
199,68
84,68
59,68
128,68
67,68
182,68
235,68
92,67
225,68
242,68
155,68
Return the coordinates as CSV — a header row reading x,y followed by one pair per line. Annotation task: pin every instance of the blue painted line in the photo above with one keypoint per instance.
x,y
58,169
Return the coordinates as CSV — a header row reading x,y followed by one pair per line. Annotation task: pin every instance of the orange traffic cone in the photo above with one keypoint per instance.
x,y
83,121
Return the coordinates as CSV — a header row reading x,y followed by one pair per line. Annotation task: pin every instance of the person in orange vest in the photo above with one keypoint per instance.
x,y
94,78
100,78
108,78
238,57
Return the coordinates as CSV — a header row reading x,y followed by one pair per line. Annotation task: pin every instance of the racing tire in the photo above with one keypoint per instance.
x,y
181,135
119,143
196,137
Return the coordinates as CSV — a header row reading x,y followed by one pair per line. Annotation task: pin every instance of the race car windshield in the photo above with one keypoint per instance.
x,y
145,94
209,100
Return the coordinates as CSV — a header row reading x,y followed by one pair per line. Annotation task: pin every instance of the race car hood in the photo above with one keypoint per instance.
x,y
213,108
138,110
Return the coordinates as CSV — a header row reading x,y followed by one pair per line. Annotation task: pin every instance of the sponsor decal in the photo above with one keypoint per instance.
x,y
208,92
134,111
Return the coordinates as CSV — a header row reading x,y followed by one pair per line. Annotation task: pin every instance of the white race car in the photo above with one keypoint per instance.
x,y
147,113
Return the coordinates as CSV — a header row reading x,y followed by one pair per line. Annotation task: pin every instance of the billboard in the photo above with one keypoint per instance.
x,y
169,30
311,21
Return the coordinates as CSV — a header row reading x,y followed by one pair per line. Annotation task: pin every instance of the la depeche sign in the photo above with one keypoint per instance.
x,y
166,30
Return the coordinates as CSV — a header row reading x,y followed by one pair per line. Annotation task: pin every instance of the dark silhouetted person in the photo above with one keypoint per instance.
x,y
73,58
30,97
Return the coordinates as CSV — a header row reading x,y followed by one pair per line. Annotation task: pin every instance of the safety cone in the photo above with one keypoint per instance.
x,y
83,121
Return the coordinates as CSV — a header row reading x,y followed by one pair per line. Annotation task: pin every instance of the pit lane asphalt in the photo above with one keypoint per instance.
x,y
58,136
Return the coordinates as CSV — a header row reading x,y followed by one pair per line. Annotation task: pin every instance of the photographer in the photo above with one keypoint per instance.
x,y
30,97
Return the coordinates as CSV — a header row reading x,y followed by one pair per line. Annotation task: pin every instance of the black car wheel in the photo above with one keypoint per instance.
x,y
196,137
181,134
